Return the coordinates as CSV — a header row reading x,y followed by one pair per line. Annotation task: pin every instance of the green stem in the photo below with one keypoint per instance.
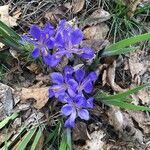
x,y
69,143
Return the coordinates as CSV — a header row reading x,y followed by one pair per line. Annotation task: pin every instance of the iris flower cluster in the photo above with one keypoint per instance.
x,y
70,88
55,43
73,86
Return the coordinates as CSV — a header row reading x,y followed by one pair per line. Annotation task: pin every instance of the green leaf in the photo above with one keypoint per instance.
x,y
125,105
122,94
118,47
119,51
37,137
8,31
26,139
6,120
53,135
10,38
9,143
66,140
121,99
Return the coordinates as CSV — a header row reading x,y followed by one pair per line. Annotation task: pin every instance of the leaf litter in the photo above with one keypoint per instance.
x,y
124,124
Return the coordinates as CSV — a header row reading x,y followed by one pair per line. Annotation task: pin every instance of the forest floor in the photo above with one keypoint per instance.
x,y
24,82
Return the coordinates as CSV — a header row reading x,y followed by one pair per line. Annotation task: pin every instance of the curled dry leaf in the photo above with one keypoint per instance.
x,y
39,94
142,119
111,78
123,122
97,32
77,5
116,118
97,17
33,67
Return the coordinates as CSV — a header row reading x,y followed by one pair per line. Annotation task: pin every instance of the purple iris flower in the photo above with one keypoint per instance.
x,y
43,41
67,41
74,107
81,82
60,82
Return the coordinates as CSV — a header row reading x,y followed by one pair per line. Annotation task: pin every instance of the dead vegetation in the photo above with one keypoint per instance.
x,y
23,89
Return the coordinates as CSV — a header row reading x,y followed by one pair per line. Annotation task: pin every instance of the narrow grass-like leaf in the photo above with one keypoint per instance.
x,y
26,139
119,51
37,137
66,140
63,144
9,143
127,42
53,135
122,94
121,99
125,105
8,31
6,120
116,48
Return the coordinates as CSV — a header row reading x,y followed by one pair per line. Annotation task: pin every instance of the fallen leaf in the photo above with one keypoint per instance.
x,y
123,122
77,5
142,119
97,17
6,98
97,32
39,94
68,5
116,118
144,96
55,14
6,18
80,132
111,78
33,67
95,143
136,68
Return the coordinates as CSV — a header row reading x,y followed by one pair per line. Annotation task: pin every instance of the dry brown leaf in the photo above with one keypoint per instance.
x,y
141,119
111,78
33,67
6,18
116,118
101,15
98,16
39,94
95,143
123,122
68,5
55,14
144,96
80,132
97,32
136,68
77,5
